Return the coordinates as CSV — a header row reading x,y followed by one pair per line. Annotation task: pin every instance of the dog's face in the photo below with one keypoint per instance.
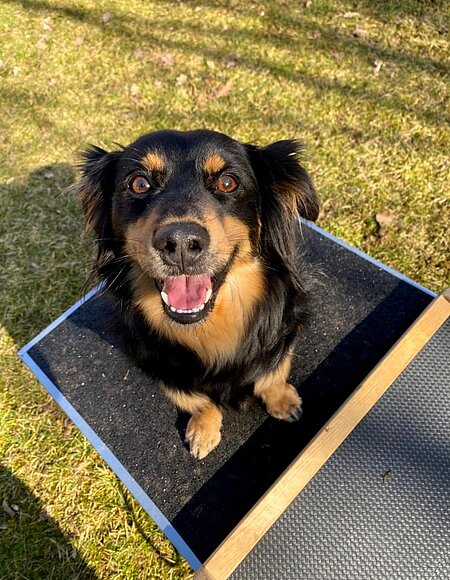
x,y
187,207
190,211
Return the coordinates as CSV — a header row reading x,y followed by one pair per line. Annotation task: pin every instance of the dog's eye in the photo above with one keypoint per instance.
x,y
139,185
227,184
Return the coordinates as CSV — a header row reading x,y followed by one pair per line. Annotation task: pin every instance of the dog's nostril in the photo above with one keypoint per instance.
x,y
195,245
170,246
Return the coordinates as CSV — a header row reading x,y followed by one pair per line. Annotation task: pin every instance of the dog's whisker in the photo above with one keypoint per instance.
x,y
111,283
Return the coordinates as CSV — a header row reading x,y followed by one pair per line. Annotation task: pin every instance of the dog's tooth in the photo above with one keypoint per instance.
x,y
208,295
165,298
187,310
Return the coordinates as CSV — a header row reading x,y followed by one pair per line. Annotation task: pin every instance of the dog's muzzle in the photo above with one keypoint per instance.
x,y
181,245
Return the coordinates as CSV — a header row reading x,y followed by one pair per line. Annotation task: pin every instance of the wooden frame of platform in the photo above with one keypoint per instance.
x,y
276,500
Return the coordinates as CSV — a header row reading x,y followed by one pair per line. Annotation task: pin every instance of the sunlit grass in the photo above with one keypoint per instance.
x,y
364,84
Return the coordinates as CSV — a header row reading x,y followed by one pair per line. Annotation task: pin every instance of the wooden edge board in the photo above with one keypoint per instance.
x,y
239,543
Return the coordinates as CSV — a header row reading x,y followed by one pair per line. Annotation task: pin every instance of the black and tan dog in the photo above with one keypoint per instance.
x,y
197,239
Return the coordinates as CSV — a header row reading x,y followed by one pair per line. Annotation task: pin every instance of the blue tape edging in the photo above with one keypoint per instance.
x,y
121,472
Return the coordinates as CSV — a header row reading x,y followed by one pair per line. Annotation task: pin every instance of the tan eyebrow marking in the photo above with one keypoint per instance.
x,y
153,161
214,164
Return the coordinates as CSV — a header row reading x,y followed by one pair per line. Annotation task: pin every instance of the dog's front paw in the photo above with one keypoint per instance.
x,y
284,403
203,431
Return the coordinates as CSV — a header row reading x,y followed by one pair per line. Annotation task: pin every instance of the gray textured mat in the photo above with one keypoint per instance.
x,y
380,507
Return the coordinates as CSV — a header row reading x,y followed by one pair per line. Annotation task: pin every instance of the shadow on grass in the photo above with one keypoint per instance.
x,y
32,545
42,253
386,9
277,32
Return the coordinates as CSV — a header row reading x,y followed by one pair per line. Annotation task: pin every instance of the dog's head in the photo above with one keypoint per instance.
x,y
188,211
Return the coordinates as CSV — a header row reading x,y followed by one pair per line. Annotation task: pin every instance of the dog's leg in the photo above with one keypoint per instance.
x,y
203,430
281,398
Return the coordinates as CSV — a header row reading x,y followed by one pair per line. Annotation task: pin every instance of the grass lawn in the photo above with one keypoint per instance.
x,y
364,84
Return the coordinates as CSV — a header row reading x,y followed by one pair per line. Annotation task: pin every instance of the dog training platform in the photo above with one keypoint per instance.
x,y
358,488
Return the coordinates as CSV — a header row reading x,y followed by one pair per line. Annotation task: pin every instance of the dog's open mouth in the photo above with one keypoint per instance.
x,y
187,299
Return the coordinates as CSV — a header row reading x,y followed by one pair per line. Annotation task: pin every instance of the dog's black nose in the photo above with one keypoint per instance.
x,y
181,243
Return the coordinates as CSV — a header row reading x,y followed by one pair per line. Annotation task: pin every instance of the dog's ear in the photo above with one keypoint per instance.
x,y
286,192
279,173
95,189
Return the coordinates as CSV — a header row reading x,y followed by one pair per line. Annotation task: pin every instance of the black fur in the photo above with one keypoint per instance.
x,y
272,180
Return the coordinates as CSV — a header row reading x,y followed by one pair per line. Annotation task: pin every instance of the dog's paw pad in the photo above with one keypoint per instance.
x,y
202,435
287,406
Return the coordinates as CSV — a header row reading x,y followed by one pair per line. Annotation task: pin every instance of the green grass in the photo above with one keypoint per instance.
x,y
368,94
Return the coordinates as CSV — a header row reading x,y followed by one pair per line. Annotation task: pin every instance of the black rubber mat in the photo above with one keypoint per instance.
x,y
380,507
359,311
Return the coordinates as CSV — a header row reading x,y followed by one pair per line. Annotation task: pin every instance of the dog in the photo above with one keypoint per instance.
x,y
197,240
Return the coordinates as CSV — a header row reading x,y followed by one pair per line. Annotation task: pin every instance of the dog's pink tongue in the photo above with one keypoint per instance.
x,y
186,292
